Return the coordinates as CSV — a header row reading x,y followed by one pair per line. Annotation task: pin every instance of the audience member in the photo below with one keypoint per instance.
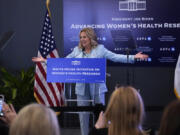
x,y
8,115
33,119
124,114
170,122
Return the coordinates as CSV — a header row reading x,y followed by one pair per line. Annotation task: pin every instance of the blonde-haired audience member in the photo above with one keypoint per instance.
x,y
124,114
170,122
35,119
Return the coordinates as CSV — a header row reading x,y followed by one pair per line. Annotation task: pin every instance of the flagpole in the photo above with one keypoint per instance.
x,y
49,94
47,5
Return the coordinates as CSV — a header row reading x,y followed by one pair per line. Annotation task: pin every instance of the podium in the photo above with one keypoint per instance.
x,y
86,71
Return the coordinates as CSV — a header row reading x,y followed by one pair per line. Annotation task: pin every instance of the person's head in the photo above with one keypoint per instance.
x,y
35,119
87,38
124,112
170,122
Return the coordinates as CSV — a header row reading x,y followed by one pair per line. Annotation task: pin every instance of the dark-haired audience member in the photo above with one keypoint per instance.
x,y
123,116
170,122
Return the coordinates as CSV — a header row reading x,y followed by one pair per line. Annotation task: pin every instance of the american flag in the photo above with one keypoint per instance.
x,y
50,94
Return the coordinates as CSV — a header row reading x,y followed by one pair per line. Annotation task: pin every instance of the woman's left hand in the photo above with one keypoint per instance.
x,y
141,56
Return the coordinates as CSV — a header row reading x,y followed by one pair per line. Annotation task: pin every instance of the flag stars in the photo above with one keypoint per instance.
x,y
47,43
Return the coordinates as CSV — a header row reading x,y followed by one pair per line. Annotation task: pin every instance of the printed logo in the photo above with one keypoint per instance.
x,y
132,5
76,62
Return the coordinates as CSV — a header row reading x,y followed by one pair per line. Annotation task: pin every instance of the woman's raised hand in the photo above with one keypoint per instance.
x,y
38,59
141,56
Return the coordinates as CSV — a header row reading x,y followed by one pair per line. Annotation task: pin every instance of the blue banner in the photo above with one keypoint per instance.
x,y
76,70
152,27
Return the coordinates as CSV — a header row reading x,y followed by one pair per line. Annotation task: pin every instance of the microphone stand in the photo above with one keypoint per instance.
x,y
127,69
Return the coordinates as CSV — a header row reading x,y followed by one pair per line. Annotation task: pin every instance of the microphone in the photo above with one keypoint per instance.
x,y
83,49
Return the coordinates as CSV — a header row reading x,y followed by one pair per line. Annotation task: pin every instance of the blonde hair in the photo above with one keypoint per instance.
x,y
35,119
125,112
91,35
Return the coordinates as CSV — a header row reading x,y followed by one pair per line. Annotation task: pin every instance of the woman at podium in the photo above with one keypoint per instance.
x,y
88,47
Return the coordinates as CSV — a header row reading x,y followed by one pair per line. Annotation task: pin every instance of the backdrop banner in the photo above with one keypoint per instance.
x,y
127,26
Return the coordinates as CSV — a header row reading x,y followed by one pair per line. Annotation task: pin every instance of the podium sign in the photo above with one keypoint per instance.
x,y
76,70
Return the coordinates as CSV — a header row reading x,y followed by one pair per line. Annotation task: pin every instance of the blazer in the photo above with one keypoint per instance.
x,y
98,52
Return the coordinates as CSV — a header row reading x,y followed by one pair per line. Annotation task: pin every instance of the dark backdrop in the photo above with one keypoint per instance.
x,y
25,18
